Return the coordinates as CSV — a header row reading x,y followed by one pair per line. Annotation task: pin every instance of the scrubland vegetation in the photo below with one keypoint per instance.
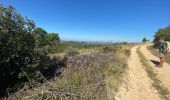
x,y
82,75
37,65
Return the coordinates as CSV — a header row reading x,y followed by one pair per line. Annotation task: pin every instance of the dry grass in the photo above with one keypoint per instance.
x,y
99,73
82,51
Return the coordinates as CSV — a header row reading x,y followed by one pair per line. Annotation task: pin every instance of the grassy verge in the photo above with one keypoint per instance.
x,y
152,74
154,51
61,47
86,76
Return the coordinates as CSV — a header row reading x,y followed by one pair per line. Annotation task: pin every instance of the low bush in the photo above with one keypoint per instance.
x,y
107,49
71,52
85,77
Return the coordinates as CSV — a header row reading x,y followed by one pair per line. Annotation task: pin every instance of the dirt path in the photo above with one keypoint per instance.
x,y
163,73
137,85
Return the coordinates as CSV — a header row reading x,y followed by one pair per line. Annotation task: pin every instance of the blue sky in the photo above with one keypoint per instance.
x,y
97,20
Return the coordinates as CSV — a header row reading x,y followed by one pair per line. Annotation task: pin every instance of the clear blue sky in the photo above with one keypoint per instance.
x,y
97,20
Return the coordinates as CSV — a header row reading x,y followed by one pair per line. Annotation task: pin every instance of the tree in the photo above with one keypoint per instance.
x,y
17,48
164,32
52,38
42,38
144,40
16,45
39,36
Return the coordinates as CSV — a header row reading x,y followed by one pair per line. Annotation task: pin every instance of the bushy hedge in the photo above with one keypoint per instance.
x,y
20,57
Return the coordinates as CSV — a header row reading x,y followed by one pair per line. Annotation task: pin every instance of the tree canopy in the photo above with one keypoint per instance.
x,y
43,38
52,38
39,36
162,33
21,48
16,44
144,40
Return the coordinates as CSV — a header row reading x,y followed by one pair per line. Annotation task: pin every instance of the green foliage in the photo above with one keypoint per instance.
x,y
63,45
76,80
164,32
125,43
39,36
71,52
110,48
40,31
16,43
107,49
144,40
19,55
43,38
52,39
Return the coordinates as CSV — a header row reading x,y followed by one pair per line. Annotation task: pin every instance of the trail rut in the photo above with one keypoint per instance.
x,y
137,85
162,73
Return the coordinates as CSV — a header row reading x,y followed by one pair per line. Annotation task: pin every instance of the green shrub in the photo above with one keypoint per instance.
x,y
112,48
20,58
107,49
71,52
76,80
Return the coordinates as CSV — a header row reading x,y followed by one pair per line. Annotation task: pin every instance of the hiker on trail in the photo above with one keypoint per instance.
x,y
163,50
